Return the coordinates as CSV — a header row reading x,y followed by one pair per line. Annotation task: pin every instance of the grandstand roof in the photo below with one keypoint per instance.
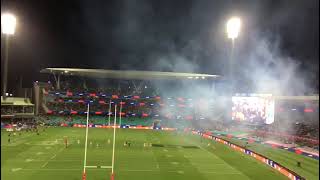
x,y
121,74
16,101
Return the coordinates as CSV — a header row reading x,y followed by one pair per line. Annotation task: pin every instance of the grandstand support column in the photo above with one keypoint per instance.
x,y
57,80
5,69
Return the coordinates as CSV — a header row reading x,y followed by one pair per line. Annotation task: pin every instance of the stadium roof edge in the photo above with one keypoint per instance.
x,y
127,74
16,101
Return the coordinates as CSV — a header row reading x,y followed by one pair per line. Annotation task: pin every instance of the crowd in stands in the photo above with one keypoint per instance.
x,y
115,87
69,104
11,109
6,110
65,102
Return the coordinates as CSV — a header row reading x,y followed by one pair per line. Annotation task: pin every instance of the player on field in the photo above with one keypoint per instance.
x,y
66,141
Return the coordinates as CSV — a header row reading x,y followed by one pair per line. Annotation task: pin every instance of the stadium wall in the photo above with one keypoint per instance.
x,y
283,170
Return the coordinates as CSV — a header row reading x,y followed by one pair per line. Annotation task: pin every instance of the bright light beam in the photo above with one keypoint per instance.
x,y
233,27
8,23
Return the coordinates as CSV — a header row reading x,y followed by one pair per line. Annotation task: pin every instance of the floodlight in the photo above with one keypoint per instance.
x,y
8,23
233,27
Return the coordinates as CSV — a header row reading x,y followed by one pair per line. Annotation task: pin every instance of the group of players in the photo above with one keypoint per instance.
x,y
28,129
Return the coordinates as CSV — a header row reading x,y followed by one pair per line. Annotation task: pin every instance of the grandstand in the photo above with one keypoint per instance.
x,y
14,109
138,102
174,154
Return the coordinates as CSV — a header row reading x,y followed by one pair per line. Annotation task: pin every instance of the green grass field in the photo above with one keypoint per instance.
x,y
182,156
309,168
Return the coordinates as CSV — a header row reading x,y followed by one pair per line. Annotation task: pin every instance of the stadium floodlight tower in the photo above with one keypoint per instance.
x,y
8,26
233,29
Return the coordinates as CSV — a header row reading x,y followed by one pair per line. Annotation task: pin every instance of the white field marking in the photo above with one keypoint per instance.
x,y
106,167
53,156
215,172
45,143
44,165
15,169
57,153
50,158
181,172
53,160
127,170
140,170
236,171
29,160
99,167
211,164
44,169
175,163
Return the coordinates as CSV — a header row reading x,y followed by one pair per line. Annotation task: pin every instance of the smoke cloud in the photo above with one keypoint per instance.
x,y
189,36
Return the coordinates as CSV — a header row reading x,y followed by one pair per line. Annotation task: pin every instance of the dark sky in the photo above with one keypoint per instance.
x,y
156,35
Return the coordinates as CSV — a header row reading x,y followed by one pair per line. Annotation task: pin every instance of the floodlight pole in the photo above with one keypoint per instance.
x,y
231,66
5,69
114,138
8,26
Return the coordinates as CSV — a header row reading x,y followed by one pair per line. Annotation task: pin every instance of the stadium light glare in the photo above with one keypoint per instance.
x,y
8,23
233,27
8,26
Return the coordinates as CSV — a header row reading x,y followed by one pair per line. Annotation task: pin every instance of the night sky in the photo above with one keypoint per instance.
x,y
163,35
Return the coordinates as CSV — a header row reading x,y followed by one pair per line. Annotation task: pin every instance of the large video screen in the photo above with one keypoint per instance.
x,y
253,109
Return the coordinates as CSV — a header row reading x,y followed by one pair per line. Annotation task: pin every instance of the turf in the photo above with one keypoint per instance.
x,y
177,156
309,167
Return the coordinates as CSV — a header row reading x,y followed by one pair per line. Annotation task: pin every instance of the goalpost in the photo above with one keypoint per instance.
x,y
85,166
109,112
